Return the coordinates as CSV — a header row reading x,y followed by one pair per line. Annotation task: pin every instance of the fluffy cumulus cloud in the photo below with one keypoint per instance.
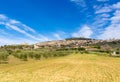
x,y
85,31
18,27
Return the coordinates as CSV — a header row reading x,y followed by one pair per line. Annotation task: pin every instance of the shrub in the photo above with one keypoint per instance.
x,y
18,51
37,56
86,52
4,56
9,51
45,55
24,57
31,55
117,52
81,49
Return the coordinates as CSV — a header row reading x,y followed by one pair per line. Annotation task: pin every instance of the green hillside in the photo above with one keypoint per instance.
x,y
115,45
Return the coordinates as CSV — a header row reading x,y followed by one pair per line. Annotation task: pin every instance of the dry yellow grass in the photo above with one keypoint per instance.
x,y
72,68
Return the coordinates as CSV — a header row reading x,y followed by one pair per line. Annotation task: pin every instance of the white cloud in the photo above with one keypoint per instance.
x,y
6,20
43,38
113,30
9,41
14,27
57,36
19,24
81,3
2,17
2,32
25,33
101,20
105,9
102,0
105,15
102,17
116,18
116,6
18,27
108,21
85,31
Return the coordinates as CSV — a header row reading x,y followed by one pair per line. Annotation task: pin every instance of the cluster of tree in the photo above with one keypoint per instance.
x,y
25,52
38,55
25,55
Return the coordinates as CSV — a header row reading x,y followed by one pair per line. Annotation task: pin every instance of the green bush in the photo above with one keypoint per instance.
x,y
31,54
25,57
81,49
39,53
37,56
45,55
22,56
9,51
4,56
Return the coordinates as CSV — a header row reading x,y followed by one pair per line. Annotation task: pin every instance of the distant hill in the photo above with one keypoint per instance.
x,y
67,43
79,38
81,42
115,44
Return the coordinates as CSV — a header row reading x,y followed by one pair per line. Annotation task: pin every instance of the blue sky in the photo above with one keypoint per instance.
x,y
33,21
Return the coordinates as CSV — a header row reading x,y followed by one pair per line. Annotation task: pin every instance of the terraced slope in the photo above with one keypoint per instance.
x,y
72,68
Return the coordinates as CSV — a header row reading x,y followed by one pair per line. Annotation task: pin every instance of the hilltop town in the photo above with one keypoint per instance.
x,y
67,43
70,43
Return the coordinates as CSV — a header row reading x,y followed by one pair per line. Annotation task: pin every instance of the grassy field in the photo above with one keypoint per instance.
x,y
71,68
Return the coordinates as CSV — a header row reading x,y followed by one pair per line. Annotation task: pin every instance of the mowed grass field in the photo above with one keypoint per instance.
x,y
71,68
